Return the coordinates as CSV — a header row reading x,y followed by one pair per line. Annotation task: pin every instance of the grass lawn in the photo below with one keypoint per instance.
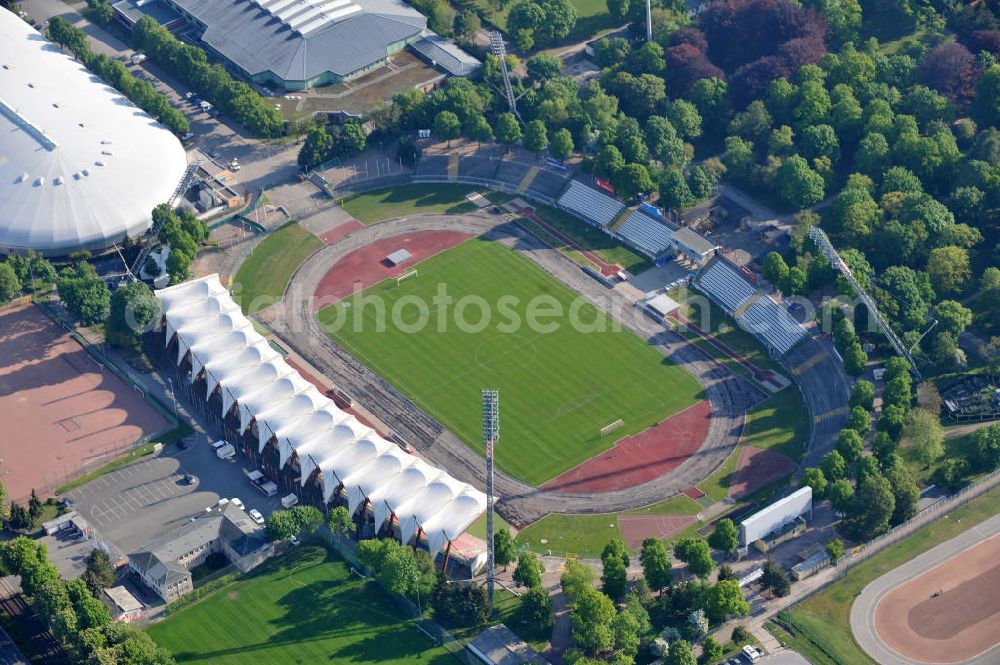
x,y
560,382
371,207
717,485
586,535
821,624
779,423
592,17
955,447
304,608
478,528
605,247
262,278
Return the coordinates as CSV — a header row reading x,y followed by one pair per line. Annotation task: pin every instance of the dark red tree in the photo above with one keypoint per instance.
x,y
951,69
986,40
751,80
689,35
686,65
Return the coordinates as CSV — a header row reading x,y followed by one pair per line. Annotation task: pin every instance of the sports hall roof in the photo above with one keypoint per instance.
x,y
80,166
290,410
298,40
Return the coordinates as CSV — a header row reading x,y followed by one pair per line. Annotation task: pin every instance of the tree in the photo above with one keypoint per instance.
x,y
34,507
536,138
340,523
985,449
859,420
561,146
725,599
85,295
133,308
616,549
725,537
507,130
18,518
447,126
695,553
543,67
614,580
656,566
504,549
950,69
872,508
680,653
593,617
814,478
100,573
863,394
987,104
476,127
466,24
850,445
835,550
925,436
841,495
855,360
576,578
796,281
528,572
685,118
618,8
633,179
833,465
317,148
775,579
775,268
281,525
952,317
459,605
798,184
10,285
904,490
536,610
948,268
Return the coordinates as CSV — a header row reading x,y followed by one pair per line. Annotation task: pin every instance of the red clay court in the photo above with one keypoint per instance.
x,y
948,614
60,409
366,266
758,468
640,458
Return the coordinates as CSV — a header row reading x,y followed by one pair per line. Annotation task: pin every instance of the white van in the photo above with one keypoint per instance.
x,y
225,452
289,500
752,653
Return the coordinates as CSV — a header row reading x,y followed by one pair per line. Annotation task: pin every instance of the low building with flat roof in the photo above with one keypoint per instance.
x,y
123,605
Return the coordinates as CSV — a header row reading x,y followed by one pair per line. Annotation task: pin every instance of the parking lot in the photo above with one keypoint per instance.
x,y
141,502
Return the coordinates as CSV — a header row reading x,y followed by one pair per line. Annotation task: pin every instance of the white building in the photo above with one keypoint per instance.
x,y
774,517
81,167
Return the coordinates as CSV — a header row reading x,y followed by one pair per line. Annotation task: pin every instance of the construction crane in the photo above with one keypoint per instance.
x,y
826,248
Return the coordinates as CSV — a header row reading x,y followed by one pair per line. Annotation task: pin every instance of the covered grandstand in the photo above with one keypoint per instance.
x,y
650,236
752,310
299,438
81,167
588,203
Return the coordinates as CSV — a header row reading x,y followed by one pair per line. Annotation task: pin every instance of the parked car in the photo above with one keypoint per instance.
x,y
236,502
256,516
218,444
190,479
752,653
188,136
289,500
222,503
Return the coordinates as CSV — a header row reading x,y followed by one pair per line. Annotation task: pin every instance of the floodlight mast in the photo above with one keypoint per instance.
x,y
500,51
491,433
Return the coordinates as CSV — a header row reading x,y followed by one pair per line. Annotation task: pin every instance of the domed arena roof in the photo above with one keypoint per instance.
x,y
81,167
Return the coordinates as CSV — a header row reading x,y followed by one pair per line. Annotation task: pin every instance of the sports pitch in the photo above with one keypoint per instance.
x,y
306,608
558,388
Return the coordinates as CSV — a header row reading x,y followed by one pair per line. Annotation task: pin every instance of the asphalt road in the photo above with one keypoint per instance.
x,y
863,610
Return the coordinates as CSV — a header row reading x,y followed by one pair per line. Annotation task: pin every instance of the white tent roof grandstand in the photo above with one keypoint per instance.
x,y
346,452
80,166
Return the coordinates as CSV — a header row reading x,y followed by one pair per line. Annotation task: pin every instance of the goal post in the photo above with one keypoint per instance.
x,y
608,429
406,275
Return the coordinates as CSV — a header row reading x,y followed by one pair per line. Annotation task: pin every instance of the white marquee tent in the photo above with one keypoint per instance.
x,y
347,453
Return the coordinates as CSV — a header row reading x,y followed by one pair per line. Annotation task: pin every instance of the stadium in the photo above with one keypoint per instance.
x,y
302,440
81,168
302,44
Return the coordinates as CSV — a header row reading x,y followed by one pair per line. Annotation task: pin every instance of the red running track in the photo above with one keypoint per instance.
x,y
366,266
341,230
638,459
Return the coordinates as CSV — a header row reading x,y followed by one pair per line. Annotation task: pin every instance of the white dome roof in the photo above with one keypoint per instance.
x,y
81,167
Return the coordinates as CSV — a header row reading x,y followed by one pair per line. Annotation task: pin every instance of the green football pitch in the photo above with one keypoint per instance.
x,y
306,608
559,383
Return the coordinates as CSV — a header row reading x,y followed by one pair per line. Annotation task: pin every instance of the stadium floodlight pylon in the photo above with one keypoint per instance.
x,y
818,236
500,51
491,433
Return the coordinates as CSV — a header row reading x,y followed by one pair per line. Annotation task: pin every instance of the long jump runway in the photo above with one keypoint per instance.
x,y
942,607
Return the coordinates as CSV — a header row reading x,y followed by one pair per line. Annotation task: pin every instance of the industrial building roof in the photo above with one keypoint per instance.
x,y
445,54
298,40
80,166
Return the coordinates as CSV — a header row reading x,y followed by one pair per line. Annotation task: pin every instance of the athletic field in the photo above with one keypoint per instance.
x,y
558,388
305,608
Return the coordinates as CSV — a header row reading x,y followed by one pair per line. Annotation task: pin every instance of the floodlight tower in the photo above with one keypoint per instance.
x,y
491,433
649,21
500,51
